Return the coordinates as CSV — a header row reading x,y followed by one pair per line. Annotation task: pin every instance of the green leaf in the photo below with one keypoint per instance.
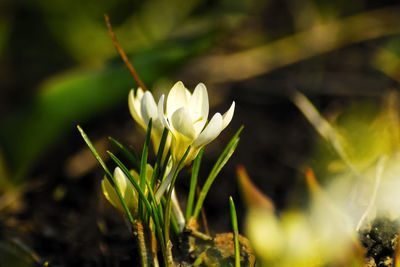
x,y
126,153
222,160
142,196
169,196
143,165
109,176
193,184
235,231
160,152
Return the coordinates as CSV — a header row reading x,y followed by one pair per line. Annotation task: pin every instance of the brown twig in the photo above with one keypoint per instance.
x,y
123,55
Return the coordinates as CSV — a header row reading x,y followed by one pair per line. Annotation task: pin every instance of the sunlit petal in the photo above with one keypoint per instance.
x,y
198,106
181,121
134,103
161,114
111,195
148,108
177,98
121,181
227,117
211,131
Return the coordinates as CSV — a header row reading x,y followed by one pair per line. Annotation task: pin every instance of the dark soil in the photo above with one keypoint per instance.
x,y
380,240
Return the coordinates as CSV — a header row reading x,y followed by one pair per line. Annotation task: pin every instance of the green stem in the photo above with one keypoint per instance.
x,y
222,160
167,216
193,184
235,231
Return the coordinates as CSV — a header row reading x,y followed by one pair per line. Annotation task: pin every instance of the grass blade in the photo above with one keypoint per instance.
x,y
160,152
168,203
143,165
193,184
222,160
126,153
154,210
109,176
235,231
142,196
165,165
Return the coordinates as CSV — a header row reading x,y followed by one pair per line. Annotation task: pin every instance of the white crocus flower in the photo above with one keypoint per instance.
x,y
186,117
143,108
126,188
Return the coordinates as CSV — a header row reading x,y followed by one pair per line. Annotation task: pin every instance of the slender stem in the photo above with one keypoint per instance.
x,y
143,166
123,55
153,246
139,231
174,223
168,206
160,152
226,154
193,184
235,231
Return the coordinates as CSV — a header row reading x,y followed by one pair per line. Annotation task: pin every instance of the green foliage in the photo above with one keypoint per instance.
x,y
222,160
193,184
109,176
149,208
235,231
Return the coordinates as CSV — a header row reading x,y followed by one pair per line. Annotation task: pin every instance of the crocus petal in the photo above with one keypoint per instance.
x,y
227,117
134,103
111,195
198,106
128,192
121,181
161,114
177,98
211,131
126,189
182,123
148,108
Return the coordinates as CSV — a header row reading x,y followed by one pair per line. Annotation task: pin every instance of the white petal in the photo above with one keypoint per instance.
x,y
211,131
177,98
121,180
134,103
227,117
148,108
182,123
198,106
127,190
161,114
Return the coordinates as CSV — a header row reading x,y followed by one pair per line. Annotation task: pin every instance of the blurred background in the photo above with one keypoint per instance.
x,y
58,69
